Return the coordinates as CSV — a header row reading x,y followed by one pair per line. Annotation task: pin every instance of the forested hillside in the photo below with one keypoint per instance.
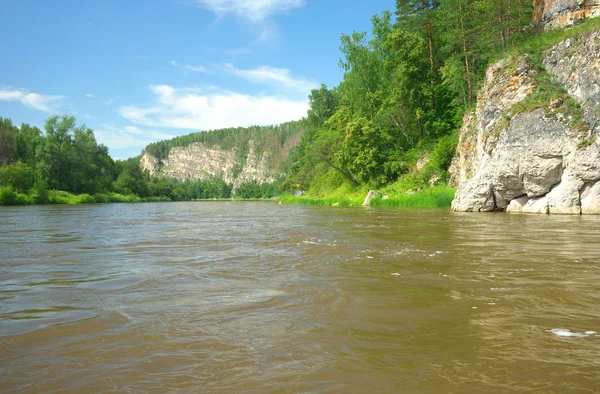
x,y
405,89
267,137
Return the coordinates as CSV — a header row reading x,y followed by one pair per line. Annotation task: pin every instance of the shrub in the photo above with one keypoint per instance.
x,y
7,196
85,199
60,197
17,175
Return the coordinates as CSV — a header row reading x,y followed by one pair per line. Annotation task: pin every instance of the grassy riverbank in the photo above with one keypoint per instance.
x,y
9,196
439,196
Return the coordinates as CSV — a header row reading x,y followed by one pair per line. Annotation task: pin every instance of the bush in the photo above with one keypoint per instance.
x,y
17,175
8,196
60,197
85,199
40,192
101,198
443,152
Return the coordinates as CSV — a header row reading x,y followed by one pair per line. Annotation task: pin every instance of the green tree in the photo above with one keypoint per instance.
x,y
56,156
7,141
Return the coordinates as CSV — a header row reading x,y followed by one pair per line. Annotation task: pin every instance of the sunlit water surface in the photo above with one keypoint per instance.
x,y
267,298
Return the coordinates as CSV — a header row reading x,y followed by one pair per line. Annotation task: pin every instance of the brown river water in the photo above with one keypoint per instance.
x,y
264,298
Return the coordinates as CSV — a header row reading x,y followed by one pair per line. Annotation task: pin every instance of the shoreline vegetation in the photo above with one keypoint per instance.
x,y
435,197
439,196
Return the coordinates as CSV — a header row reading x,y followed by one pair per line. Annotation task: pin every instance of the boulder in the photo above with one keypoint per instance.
x,y
371,195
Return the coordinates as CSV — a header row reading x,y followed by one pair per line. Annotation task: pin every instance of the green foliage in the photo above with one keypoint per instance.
x,y
254,190
7,141
8,196
443,152
17,175
435,197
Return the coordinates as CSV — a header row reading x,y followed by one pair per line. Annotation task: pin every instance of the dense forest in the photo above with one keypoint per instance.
x,y
65,164
405,88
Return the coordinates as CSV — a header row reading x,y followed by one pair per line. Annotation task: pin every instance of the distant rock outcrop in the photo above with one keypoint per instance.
x,y
200,162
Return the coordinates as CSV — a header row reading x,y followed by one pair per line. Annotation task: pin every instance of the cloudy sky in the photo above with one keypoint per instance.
x,y
138,71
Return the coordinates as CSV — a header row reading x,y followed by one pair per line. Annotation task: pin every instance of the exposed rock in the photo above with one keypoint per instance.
x,y
527,160
434,180
517,204
565,199
371,195
422,162
335,204
560,13
538,161
575,64
463,163
555,103
149,163
537,205
590,199
200,162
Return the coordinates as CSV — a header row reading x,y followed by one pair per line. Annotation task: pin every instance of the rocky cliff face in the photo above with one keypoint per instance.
x,y
560,13
200,162
542,158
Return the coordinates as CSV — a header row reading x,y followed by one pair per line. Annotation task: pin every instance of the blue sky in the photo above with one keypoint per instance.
x,y
138,71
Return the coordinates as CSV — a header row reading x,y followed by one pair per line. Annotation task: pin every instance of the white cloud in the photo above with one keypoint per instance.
x,y
32,100
129,137
188,67
89,95
281,77
255,10
195,109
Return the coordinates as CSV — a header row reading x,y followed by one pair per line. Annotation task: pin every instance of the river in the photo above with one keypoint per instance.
x,y
266,298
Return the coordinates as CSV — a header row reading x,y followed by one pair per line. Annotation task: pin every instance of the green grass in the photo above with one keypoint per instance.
x,y
343,202
440,196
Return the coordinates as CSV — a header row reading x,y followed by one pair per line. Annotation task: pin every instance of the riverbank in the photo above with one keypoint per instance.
x,y
8,196
439,196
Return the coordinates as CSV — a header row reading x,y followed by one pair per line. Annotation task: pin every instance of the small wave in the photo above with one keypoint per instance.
x,y
33,319
113,284
564,332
